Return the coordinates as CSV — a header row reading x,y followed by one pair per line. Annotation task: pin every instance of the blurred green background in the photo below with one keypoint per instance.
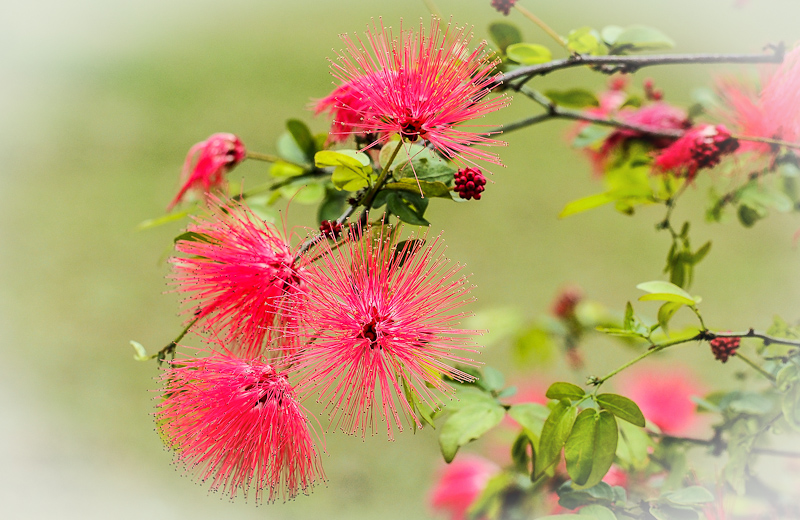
x,y
100,101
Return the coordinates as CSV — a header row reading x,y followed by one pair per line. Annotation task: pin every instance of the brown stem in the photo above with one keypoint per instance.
x,y
612,64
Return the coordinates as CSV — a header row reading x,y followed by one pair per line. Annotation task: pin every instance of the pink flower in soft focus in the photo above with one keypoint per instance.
x,y
700,147
238,424
237,270
616,476
378,320
774,112
217,156
656,116
664,396
420,87
460,483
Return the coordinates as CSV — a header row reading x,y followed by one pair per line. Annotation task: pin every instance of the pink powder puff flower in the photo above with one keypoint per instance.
x,y
664,396
460,483
237,270
218,155
377,322
420,88
773,113
238,423
700,147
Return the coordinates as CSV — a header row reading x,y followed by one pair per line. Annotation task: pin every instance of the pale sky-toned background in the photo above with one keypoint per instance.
x,y
99,101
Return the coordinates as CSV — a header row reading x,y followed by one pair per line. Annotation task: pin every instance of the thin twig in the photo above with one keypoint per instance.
x,y
366,200
611,64
546,28
715,442
754,366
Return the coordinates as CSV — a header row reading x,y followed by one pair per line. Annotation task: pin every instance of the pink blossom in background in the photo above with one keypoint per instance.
x,y
379,319
236,270
420,87
664,395
238,424
700,147
773,112
460,483
616,476
655,116
216,156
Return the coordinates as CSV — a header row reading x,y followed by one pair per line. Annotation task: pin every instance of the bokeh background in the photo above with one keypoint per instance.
x,y
99,101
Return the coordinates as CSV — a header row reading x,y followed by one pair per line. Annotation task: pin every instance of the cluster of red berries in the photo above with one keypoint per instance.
x,y
503,6
651,92
566,301
723,348
711,145
330,228
469,183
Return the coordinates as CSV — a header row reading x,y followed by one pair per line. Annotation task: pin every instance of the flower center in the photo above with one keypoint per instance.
x,y
370,330
411,128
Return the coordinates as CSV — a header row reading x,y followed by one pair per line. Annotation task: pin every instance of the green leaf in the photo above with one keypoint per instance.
x,y
504,34
140,353
633,449
530,416
519,452
555,431
466,425
302,136
191,236
349,179
332,205
347,158
691,495
748,216
701,253
630,317
289,150
284,169
493,378
665,313
353,170
160,221
591,447
575,97
666,291
610,33
590,135
429,189
311,193
597,512
564,390
571,498
790,405
639,38
587,203
584,41
528,53
663,511
408,207
622,407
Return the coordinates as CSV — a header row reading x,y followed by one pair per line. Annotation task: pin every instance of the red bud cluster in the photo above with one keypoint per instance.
x,y
503,6
469,183
723,348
